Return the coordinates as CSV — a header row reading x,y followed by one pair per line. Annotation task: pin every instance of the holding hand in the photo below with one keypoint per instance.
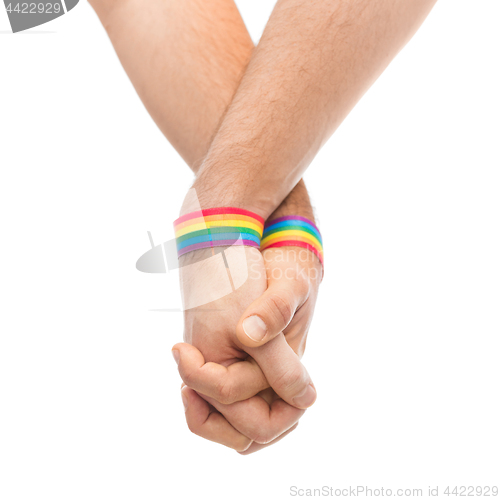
x,y
292,278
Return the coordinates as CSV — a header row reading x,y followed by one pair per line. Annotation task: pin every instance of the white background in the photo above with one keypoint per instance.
x,y
404,349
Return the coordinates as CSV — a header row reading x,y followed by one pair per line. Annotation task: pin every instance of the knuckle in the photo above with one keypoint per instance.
x,y
188,376
279,309
291,380
226,392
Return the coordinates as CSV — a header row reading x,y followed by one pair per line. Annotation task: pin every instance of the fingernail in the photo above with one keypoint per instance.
x,y
184,401
176,355
306,398
254,328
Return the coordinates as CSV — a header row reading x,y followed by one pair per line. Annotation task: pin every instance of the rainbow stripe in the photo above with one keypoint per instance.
x,y
217,227
293,231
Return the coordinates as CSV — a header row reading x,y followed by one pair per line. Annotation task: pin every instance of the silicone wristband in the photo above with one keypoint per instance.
x,y
294,231
215,227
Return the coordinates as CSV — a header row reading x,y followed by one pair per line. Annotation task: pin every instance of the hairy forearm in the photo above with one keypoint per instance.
x,y
314,62
186,60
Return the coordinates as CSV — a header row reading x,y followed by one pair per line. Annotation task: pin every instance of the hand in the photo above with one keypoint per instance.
x,y
287,304
216,363
205,421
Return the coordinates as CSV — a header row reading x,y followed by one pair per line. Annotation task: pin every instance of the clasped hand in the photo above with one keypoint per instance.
x,y
244,385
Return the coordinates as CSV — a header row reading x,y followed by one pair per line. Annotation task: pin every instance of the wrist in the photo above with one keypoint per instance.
x,y
296,203
236,187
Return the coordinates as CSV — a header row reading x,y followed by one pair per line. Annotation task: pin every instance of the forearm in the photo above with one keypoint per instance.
x,y
296,203
186,60
314,62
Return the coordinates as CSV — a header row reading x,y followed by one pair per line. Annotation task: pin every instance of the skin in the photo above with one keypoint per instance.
x,y
225,372
187,94
314,62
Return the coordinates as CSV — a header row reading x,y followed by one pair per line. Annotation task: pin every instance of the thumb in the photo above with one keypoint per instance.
x,y
272,312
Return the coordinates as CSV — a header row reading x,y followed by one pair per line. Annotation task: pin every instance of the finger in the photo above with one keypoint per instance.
x,y
266,395
211,425
271,313
238,381
258,446
284,372
257,419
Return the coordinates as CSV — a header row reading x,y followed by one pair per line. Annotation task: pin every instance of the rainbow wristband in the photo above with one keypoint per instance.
x,y
216,227
293,231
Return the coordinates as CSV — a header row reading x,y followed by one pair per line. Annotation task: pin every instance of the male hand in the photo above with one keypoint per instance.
x,y
281,291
